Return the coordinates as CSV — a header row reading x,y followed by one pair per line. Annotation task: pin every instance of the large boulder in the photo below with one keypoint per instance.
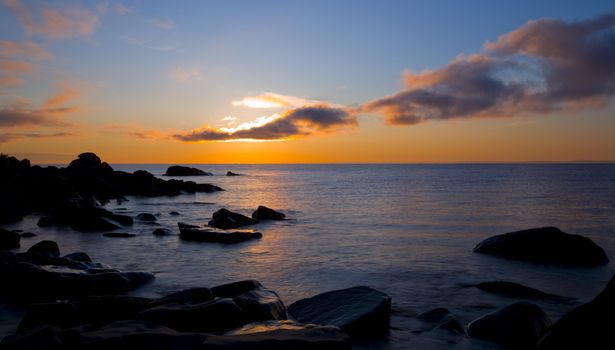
x,y
178,170
516,290
226,219
45,248
264,213
360,311
209,316
517,326
216,236
146,217
281,335
256,302
9,239
548,245
588,326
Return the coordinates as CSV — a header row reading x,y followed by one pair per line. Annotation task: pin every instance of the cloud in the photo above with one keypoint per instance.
x,y
270,100
15,61
165,24
138,131
121,9
297,122
183,74
52,113
7,137
545,66
71,22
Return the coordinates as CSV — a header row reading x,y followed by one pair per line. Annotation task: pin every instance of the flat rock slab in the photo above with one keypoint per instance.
x,y
546,245
216,236
512,289
359,311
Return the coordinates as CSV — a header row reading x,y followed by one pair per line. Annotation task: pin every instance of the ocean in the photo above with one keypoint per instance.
x,y
407,230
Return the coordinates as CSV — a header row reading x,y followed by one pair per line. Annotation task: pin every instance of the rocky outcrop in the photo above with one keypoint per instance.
x,y
41,274
226,219
359,311
216,236
588,326
178,170
25,188
518,326
547,245
83,216
264,213
230,173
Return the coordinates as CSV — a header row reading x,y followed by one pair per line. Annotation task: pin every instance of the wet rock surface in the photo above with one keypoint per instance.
x,y
226,219
264,213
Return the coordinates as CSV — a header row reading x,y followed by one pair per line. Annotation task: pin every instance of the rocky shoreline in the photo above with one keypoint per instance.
x,y
73,302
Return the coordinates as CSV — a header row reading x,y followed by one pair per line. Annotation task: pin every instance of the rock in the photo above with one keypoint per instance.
x,y
359,311
546,245
146,217
162,232
78,256
226,219
230,173
260,304
178,170
452,326
126,334
210,316
209,235
27,235
182,225
174,213
264,213
8,239
518,325
119,234
49,249
231,290
187,296
61,314
588,326
519,291
281,335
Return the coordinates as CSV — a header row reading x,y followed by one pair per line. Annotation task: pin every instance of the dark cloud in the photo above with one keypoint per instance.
x,y
19,115
302,121
545,66
6,137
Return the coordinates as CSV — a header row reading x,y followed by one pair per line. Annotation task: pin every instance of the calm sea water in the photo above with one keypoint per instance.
x,y
407,230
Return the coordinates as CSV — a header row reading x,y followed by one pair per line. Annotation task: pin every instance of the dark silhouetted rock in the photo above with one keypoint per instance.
x,y
187,296
226,219
519,291
183,225
27,235
146,217
230,173
546,245
517,326
215,236
78,256
211,316
360,311
49,249
281,335
162,232
9,239
231,290
588,326
119,234
178,170
264,213
174,213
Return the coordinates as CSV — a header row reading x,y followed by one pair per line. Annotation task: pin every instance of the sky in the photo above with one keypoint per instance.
x,y
308,81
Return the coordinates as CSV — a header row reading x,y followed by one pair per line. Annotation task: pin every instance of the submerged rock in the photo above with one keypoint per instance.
x,y
264,213
588,326
162,232
360,311
547,245
520,291
230,173
9,239
119,235
226,219
178,170
517,326
146,217
174,213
